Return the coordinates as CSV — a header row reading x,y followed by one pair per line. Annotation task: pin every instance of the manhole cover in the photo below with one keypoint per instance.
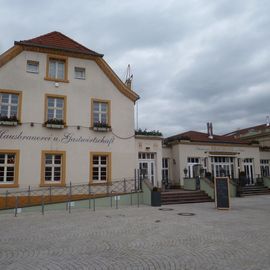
x,y
186,214
165,209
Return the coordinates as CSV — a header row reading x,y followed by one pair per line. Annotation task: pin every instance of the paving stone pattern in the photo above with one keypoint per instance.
x,y
140,238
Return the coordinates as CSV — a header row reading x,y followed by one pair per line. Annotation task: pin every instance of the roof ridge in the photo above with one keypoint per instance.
x,y
69,43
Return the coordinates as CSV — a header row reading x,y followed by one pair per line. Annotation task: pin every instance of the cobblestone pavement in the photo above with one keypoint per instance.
x,y
140,238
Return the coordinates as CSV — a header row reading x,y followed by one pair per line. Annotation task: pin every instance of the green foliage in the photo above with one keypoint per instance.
x,y
9,119
55,121
101,125
148,133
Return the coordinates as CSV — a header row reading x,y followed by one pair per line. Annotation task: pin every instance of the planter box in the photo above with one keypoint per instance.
x,y
155,198
55,126
8,123
101,129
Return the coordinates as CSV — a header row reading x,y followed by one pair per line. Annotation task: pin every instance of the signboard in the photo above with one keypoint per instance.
x,y
222,193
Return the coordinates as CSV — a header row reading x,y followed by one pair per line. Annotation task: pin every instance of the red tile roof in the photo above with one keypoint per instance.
x,y
57,40
238,133
195,136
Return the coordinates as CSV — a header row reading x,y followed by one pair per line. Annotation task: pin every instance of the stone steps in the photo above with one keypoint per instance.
x,y
254,190
184,197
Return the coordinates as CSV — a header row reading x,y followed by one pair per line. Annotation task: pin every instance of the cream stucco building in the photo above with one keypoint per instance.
x,y
65,116
215,155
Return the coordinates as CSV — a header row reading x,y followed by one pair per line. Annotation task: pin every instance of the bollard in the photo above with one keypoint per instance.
x,y
6,203
69,197
94,206
89,194
131,198
42,206
29,194
67,203
16,206
50,192
125,186
89,203
116,202
111,201
138,198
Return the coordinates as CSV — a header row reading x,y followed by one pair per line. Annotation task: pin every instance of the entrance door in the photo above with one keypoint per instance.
x,y
222,166
248,167
147,166
147,170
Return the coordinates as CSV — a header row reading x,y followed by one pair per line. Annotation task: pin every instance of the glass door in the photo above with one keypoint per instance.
x,y
248,167
147,166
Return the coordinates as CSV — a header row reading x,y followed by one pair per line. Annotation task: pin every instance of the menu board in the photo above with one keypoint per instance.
x,y
222,193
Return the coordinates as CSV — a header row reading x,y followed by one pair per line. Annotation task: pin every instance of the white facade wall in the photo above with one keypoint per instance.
x,y
13,76
180,152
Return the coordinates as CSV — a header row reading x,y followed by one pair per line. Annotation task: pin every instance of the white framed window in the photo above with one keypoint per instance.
x,y
55,108
265,167
9,104
7,168
53,168
165,169
32,66
57,69
191,162
100,112
79,73
222,166
143,155
100,167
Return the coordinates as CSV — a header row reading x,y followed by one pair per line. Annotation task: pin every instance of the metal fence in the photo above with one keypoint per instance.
x,y
66,194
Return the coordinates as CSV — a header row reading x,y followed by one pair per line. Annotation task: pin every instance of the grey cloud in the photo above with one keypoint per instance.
x,y
193,61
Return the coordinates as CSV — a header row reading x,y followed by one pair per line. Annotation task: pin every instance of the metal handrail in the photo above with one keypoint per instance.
x,y
51,194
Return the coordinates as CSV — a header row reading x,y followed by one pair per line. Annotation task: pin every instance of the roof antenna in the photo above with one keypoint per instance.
x,y
267,121
129,77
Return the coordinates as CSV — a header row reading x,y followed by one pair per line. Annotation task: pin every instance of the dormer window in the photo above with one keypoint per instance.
x,y
57,69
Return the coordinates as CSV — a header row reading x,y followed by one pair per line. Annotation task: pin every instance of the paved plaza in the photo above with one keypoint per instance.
x,y
140,238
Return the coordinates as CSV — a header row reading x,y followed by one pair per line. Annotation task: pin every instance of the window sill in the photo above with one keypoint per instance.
x,y
54,126
101,129
9,185
8,123
56,80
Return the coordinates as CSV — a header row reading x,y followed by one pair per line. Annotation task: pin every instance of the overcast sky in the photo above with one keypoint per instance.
x,y
193,61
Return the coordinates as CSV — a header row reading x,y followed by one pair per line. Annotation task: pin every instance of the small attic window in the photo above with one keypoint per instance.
x,y
32,66
79,73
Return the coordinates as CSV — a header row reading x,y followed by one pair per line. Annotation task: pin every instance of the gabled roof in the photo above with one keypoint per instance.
x,y
195,136
248,131
58,43
57,40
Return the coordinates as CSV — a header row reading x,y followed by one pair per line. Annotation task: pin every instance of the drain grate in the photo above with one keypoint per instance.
x,y
186,214
165,209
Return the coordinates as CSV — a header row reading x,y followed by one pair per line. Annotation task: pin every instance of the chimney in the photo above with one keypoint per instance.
x,y
210,130
267,121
